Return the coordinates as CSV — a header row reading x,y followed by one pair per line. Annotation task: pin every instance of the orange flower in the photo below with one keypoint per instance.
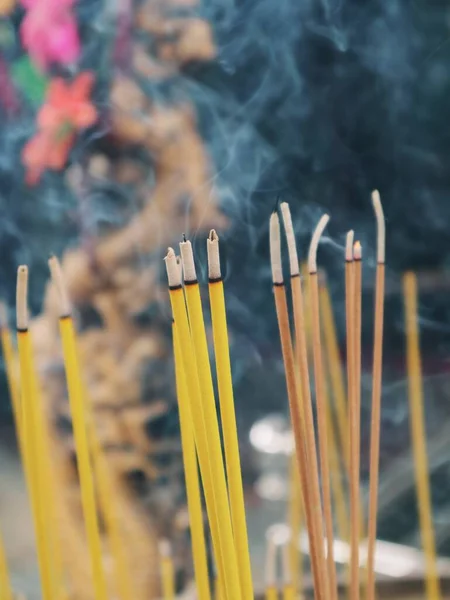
x,y
67,111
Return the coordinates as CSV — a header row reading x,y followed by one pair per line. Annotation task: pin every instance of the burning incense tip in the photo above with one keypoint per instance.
x,y
381,227
187,260
275,250
58,280
21,298
357,251
184,237
349,245
294,267
312,257
173,269
212,246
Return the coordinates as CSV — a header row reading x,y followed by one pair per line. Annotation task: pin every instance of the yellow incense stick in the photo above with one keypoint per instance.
x,y
196,403
295,516
271,588
194,305
227,413
334,366
33,457
5,582
289,592
11,365
107,495
418,435
191,477
167,571
79,421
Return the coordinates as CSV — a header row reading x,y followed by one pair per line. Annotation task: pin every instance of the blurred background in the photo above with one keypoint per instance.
x,y
125,124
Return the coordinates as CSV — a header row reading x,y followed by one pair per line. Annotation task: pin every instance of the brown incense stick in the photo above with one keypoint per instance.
x,y
289,365
313,487
376,396
319,378
354,416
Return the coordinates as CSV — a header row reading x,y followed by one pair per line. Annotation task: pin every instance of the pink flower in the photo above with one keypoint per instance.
x,y
67,111
49,32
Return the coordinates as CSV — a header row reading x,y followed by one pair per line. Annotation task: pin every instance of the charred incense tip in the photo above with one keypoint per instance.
x,y
183,235
275,250
173,269
22,298
187,260
294,268
65,308
165,548
312,256
357,251
381,226
349,246
212,246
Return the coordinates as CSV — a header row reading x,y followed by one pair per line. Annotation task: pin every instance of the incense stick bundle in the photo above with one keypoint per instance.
x,y
303,458
194,352
376,396
319,379
418,436
199,342
309,474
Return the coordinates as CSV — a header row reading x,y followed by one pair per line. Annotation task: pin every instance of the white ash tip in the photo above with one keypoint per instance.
x,y
3,314
212,246
381,227
275,249
312,256
165,548
58,280
22,298
349,245
357,251
173,269
294,268
187,260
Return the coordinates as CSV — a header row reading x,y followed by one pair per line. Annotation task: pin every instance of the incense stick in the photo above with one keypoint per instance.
x,y
334,366
376,397
319,378
418,436
310,485
354,422
271,588
319,573
295,518
167,573
191,476
33,460
288,586
79,420
5,581
227,413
